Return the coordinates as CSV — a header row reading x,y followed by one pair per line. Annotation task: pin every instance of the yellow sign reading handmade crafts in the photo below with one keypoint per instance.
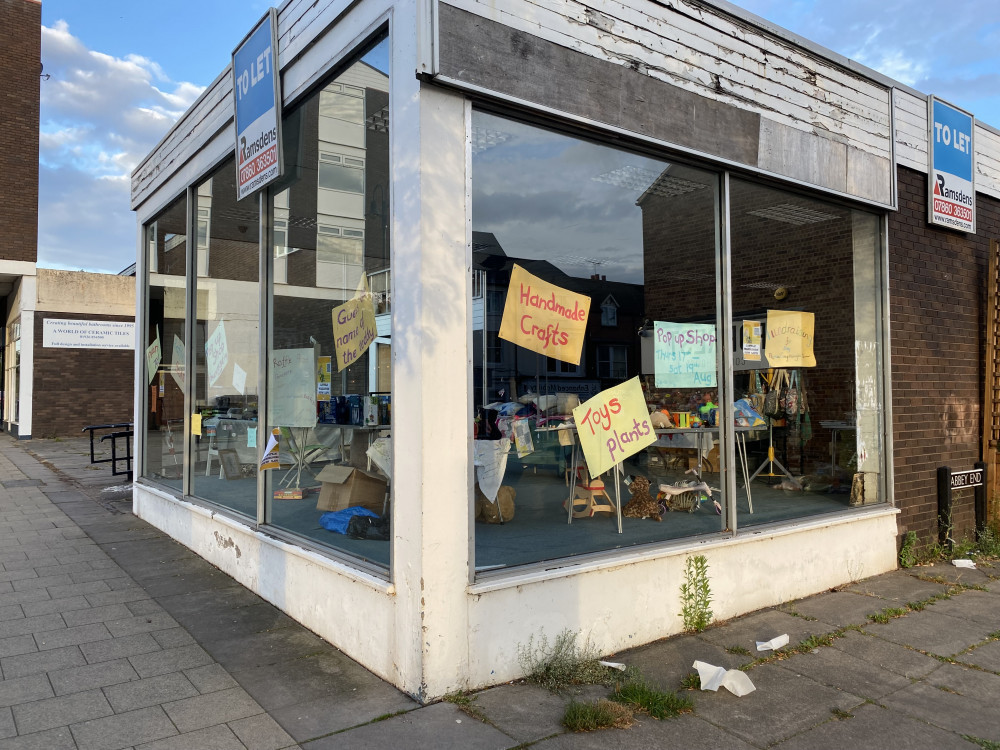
x,y
613,425
790,338
354,327
544,318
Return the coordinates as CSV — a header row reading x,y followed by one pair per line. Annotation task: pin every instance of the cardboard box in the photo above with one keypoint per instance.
x,y
346,486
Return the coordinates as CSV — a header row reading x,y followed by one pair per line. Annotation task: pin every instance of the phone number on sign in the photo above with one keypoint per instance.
x,y
258,164
952,209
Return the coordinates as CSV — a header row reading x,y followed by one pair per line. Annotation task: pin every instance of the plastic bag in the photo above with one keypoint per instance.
x,y
745,415
338,520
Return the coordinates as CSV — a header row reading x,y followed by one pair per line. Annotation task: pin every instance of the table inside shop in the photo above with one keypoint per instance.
x,y
691,442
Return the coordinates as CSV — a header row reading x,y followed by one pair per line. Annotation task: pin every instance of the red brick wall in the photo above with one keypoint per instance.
x,y
74,388
937,288
20,66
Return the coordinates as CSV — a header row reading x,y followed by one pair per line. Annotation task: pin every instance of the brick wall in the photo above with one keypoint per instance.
x,y
937,288
20,66
78,387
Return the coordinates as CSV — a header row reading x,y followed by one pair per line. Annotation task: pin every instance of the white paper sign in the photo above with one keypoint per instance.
x,y
490,458
239,378
177,356
216,353
153,356
293,389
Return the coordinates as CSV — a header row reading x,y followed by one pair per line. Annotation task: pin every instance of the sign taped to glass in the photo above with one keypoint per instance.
x,y
613,425
684,355
354,327
790,338
544,318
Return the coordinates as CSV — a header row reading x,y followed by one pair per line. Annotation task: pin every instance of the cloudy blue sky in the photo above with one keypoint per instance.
x,y
122,71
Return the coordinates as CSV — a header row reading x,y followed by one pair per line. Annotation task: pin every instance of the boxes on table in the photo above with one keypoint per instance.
x,y
347,486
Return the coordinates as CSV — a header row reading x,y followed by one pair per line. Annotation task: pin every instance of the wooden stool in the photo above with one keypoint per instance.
x,y
591,497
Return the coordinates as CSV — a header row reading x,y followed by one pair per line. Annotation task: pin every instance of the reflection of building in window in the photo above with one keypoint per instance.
x,y
562,368
203,225
612,361
609,312
339,257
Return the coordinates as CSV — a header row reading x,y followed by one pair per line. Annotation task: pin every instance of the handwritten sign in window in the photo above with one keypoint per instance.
x,y
613,425
685,355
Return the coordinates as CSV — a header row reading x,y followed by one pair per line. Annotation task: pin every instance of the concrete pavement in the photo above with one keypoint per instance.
x,y
114,636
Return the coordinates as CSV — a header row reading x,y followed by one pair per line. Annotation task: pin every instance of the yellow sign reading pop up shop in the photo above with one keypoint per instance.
x,y
790,338
613,425
354,327
544,318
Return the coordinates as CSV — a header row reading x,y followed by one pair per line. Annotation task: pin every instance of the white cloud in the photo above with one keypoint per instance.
x,y
100,115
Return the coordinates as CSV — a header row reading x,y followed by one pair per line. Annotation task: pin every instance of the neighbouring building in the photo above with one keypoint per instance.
x,y
742,208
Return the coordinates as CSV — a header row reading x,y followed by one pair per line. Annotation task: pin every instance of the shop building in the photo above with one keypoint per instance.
x,y
701,177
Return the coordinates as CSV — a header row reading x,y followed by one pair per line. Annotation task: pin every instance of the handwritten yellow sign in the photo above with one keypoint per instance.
x,y
613,425
354,327
790,338
544,318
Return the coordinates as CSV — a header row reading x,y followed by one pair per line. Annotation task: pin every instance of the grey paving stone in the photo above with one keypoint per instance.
x,y
940,708
96,614
349,708
931,632
23,597
763,626
149,692
839,608
42,582
18,575
951,573
118,648
42,661
122,730
261,732
665,663
210,678
173,638
141,624
898,587
7,727
873,725
979,606
57,712
72,636
169,660
18,644
986,656
213,708
438,726
219,737
979,686
52,739
11,612
524,712
687,731
762,717
116,597
840,670
78,589
101,574
144,607
24,690
53,606
886,655
89,676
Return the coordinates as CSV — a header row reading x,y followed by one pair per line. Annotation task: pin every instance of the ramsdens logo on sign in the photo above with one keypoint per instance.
x,y
257,102
952,199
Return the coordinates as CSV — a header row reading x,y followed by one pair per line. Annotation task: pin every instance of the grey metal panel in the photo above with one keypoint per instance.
x,y
868,176
490,55
803,156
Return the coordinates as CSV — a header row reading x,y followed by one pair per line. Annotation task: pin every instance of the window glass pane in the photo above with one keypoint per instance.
x,y
638,236
334,204
166,260
804,270
226,345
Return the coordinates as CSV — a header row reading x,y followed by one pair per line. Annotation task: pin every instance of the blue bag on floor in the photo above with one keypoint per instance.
x,y
337,520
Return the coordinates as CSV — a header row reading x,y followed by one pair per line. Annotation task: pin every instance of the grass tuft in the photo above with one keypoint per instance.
x,y
602,714
641,696
562,663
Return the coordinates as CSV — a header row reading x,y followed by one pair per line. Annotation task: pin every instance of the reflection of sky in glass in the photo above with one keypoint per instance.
x,y
547,196
378,56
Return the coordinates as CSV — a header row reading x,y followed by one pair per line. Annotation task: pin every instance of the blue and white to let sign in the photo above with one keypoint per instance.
x,y
257,100
952,199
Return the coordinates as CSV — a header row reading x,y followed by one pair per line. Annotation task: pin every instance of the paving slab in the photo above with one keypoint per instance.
x,y
842,671
946,710
319,717
898,587
203,711
886,655
56,712
874,726
838,608
123,730
951,573
985,656
763,717
763,626
524,712
979,606
218,737
439,726
667,662
261,732
974,684
928,631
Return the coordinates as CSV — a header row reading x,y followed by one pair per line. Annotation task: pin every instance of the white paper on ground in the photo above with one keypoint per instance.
x,y
774,644
613,665
733,680
964,564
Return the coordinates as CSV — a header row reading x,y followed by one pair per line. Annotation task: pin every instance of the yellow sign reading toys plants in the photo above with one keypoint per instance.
x,y
544,318
613,425
790,338
354,327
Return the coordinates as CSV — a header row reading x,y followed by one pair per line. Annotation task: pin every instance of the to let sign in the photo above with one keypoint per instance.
x,y
257,101
952,187
961,480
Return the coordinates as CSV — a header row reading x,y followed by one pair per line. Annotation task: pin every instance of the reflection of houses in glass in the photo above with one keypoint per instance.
x,y
610,349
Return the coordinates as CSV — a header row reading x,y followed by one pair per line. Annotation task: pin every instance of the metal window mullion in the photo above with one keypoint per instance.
x,y
266,266
726,421
884,350
190,313
140,421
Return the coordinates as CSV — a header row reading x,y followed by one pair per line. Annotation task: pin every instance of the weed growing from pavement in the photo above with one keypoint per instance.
x,y
601,714
690,681
562,663
641,696
742,651
696,595
908,550
985,744
841,713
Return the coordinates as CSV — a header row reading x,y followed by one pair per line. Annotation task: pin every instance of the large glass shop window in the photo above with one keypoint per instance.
x,y
329,394
166,259
560,226
805,276
225,428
